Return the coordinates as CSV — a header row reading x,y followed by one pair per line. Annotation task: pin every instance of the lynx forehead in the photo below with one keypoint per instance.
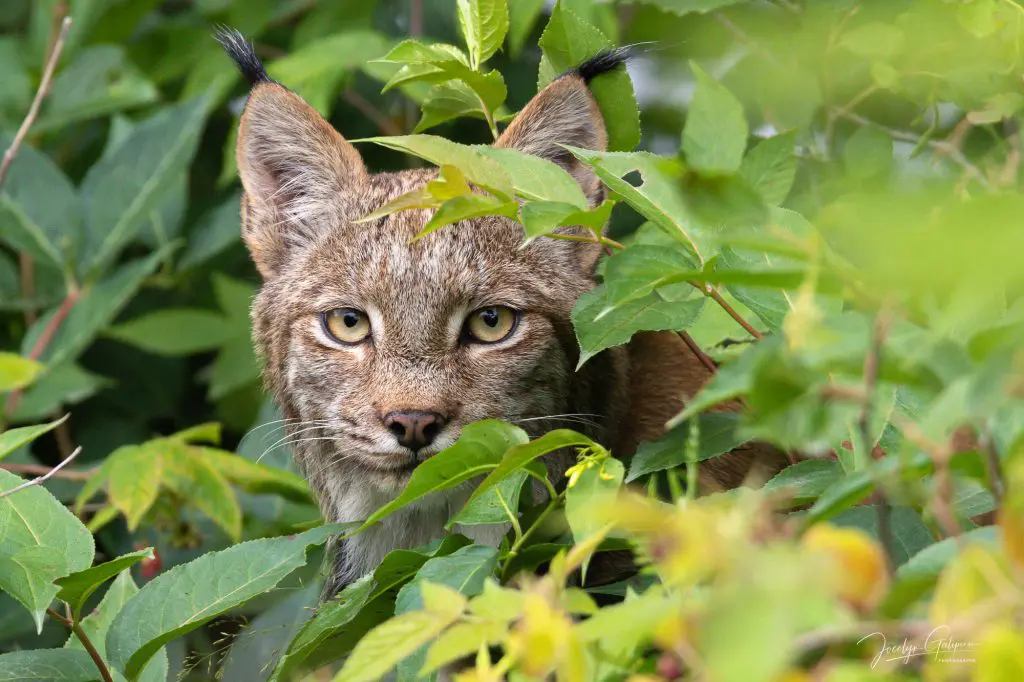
x,y
380,348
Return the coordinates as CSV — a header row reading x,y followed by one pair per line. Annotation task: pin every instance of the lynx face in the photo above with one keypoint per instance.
x,y
378,348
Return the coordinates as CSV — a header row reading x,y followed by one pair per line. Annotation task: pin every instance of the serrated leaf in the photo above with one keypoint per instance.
x,y
257,478
535,178
217,230
804,481
484,24
121,191
640,269
184,598
478,168
909,533
657,197
467,207
715,134
464,571
446,101
601,323
519,456
174,332
730,381
567,42
770,168
41,541
12,439
383,647
718,435
134,474
43,211
97,624
95,308
477,451
543,217
77,587
48,665
489,508
191,476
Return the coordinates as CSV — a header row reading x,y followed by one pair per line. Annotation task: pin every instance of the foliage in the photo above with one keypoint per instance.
x,y
823,197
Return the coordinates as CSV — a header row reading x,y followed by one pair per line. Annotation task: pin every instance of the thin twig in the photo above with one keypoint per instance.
x,y
993,470
41,92
40,479
698,351
872,362
717,297
366,108
40,470
942,146
44,340
90,648
1011,170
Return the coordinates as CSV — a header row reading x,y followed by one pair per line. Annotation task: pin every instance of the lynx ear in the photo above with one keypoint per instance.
x,y
293,164
565,112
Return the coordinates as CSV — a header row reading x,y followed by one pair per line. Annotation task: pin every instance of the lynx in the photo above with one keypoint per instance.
x,y
379,349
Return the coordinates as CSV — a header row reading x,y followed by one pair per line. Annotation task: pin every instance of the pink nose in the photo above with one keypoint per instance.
x,y
415,429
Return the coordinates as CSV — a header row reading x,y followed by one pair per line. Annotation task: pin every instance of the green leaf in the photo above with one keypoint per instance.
x,y
190,475
489,507
134,474
518,457
257,478
730,381
464,570
175,331
65,384
535,178
715,134
339,624
97,624
601,323
596,485
217,230
477,451
909,533
920,573
522,16
76,588
47,665
12,439
541,218
484,24
101,80
184,598
315,71
95,308
683,7
567,42
718,435
446,101
467,207
804,481
386,645
43,212
41,541
867,153
638,270
478,168
770,168
657,197
121,191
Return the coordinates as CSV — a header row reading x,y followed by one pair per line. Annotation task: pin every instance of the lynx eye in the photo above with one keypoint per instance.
x,y
346,325
491,324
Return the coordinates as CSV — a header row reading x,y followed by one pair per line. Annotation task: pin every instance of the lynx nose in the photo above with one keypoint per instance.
x,y
414,429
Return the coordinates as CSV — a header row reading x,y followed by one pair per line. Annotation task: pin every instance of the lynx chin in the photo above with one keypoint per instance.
x,y
379,349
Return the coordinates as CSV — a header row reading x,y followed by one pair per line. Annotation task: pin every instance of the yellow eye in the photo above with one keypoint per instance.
x,y
346,325
491,324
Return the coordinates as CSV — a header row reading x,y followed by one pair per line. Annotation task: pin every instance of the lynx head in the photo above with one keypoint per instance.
x,y
380,347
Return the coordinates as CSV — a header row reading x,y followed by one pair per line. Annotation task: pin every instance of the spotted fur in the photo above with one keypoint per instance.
x,y
305,185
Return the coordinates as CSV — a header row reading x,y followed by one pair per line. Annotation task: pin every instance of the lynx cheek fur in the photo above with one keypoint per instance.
x,y
365,411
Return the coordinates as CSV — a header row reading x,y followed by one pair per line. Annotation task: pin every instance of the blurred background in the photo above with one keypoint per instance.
x,y
907,93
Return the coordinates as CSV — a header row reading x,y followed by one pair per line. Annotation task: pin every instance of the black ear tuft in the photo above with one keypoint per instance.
x,y
241,51
603,62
